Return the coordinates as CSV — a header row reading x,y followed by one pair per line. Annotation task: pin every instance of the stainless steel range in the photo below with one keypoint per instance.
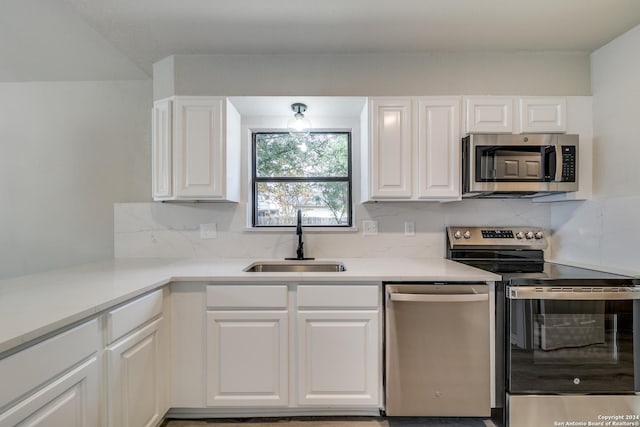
x,y
567,338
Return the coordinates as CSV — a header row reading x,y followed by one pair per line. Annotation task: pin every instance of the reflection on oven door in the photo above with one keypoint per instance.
x,y
564,330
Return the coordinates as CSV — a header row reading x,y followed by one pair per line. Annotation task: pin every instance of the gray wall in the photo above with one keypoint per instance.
x,y
68,152
616,89
381,74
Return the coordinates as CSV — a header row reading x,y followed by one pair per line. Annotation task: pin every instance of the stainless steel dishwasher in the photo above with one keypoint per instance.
x,y
437,357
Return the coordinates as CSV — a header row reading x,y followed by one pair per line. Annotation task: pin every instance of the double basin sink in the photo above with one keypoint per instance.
x,y
295,267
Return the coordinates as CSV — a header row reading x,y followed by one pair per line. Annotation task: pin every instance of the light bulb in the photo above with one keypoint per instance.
x,y
299,123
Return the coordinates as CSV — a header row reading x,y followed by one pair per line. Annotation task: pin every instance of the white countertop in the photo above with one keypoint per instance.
x,y
35,305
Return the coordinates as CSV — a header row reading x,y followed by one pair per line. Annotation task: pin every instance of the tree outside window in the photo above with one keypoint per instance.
x,y
311,173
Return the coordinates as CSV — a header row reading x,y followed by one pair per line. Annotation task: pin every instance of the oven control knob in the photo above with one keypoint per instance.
x,y
539,235
467,234
529,235
457,235
519,235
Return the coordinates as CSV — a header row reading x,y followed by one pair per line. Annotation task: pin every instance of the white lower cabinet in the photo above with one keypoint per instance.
x,y
53,383
247,345
136,360
135,379
70,401
338,343
247,359
292,346
338,358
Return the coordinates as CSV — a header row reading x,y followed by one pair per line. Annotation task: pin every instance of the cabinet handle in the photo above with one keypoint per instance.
x,y
438,298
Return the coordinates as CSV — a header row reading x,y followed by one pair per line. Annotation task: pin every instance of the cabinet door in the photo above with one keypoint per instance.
x,y
390,168
489,114
247,360
135,379
439,148
543,114
70,401
338,358
162,119
198,148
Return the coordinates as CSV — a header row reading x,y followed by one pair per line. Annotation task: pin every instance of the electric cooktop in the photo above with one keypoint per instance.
x,y
517,253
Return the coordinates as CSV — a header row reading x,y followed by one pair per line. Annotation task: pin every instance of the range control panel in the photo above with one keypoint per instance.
x,y
520,237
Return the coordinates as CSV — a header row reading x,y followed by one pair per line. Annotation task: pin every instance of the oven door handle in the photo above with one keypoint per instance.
x,y
393,296
576,293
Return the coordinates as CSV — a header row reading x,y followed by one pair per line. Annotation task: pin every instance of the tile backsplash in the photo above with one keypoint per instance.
x,y
173,229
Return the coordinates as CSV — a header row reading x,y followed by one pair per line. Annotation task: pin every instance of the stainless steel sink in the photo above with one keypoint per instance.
x,y
295,266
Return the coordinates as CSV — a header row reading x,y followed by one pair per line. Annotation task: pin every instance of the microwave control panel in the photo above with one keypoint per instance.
x,y
568,163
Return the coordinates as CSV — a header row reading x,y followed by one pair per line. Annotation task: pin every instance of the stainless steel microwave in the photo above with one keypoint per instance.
x,y
525,165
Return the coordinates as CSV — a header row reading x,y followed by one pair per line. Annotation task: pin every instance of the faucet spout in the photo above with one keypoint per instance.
x,y
299,223
300,250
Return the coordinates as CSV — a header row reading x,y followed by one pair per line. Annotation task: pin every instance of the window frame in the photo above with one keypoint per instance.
x,y
255,180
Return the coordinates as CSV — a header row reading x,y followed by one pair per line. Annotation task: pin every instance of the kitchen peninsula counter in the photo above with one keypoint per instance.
x,y
35,305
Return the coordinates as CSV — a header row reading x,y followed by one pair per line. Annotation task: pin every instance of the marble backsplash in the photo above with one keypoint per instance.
x,y
173,229
600,232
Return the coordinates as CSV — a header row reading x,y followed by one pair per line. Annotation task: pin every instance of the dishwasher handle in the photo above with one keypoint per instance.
x,y
393,296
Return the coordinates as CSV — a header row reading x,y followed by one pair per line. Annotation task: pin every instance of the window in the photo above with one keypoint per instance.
x,y
311,173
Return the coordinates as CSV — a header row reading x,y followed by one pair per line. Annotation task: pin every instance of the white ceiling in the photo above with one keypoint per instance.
x,y
123,38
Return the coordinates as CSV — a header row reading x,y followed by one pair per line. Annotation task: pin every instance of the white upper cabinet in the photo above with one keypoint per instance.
x,y
413,149
196,149
489,114
162,128
390,148
438,148
510,114
543,114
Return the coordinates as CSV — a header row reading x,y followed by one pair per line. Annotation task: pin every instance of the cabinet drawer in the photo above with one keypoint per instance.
x,y
130,316
338,296
31,368
247,296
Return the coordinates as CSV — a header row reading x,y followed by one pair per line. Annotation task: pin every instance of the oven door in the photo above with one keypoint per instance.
x,y
572,340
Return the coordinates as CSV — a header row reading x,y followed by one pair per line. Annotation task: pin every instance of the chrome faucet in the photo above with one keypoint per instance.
x,y
300,250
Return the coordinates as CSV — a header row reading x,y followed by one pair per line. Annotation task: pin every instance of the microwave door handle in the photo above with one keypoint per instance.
x,y
550,163
557,173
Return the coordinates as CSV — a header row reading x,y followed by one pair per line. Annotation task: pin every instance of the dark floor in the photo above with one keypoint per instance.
x,y
334,422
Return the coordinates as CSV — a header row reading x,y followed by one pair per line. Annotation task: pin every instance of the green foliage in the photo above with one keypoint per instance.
x,y
318,155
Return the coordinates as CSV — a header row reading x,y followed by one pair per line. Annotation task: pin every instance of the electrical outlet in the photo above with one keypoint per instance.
x,y
369,228
409,228
208,231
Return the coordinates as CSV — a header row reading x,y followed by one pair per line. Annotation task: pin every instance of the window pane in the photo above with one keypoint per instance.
x,y
317,155
322,203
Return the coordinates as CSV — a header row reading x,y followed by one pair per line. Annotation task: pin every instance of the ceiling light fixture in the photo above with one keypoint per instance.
x,y
298,125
